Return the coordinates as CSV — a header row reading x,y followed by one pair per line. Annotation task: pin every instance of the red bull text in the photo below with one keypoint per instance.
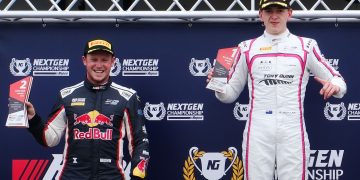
x,y
93,133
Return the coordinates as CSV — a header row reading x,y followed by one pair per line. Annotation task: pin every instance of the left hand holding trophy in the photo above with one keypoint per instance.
x,y
18,95
224,61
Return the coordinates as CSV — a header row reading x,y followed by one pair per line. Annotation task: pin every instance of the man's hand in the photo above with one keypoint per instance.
x,y
328,88
210,75
30,110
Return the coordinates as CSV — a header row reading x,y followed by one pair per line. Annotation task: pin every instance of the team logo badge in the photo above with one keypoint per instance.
x,y
140,169
335,111
241,111
116,68
199,67
213,164
20,67
154,112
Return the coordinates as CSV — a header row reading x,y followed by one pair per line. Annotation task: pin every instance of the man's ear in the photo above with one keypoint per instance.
x,y
260,15
84,60
290,12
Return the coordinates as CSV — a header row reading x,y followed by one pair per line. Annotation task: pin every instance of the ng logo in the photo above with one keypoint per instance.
x,y
335,111
200,67
20,67
241,111
152,111
213,164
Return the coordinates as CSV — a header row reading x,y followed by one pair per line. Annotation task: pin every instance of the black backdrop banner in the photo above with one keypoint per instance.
x,y
187,125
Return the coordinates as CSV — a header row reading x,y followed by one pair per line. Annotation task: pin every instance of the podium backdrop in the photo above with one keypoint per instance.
x,y
187,125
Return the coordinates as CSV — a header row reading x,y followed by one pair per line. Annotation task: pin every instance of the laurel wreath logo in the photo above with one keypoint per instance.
x,y
236,112
327,109
189,165
147,109
237,167
116,67
12,65
192,71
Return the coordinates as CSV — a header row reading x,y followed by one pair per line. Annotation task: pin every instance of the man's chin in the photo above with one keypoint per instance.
x,y
99,80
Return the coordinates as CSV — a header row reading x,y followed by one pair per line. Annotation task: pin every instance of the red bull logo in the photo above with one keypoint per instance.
x,y
142,165
139,170
93,133
93,118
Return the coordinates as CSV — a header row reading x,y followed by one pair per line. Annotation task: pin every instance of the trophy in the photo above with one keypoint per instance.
x,y
18,95
222,65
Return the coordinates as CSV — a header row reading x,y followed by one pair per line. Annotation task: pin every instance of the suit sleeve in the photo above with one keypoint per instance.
x,y
236,82
137,137
49,134
318,65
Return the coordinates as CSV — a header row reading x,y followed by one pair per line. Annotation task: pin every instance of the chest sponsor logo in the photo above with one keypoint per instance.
x,y
212,164
277,79
93,119
78,101
113,102
265,65
199,67
268,48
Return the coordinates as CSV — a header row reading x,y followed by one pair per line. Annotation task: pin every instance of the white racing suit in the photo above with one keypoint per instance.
x,y
277,69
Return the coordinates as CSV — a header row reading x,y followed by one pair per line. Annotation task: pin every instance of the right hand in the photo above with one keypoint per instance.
x,y
30,110
210,75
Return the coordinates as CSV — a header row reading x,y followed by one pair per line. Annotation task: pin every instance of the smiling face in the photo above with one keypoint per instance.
x,y
98,66
275,19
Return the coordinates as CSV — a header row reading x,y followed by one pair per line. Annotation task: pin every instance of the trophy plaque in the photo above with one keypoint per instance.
x,y
222,66
18,95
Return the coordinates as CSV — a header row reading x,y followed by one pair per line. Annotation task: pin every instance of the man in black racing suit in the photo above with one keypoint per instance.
x,y
96,115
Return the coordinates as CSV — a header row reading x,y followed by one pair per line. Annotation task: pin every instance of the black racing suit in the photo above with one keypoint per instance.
x,y
96,120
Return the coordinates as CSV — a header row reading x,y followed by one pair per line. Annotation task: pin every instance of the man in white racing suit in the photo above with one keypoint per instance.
x,y
277,67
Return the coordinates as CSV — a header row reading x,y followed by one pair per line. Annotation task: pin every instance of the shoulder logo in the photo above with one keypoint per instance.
x,y
126,94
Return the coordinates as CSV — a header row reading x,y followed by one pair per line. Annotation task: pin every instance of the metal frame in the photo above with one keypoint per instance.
x,y
174,13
